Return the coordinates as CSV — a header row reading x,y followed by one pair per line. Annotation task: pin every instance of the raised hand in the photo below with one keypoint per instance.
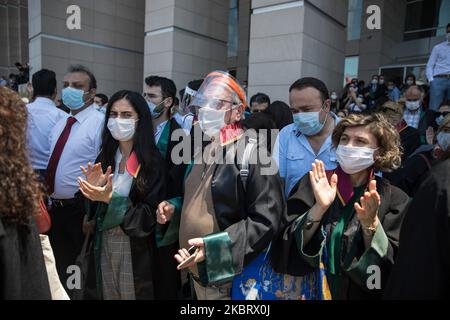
x,y
93,193
94,174
324,191
367,211
165,212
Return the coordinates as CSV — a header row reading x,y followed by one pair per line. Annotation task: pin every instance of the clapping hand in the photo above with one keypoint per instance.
x,y
367,211
96,193
324,191
94,174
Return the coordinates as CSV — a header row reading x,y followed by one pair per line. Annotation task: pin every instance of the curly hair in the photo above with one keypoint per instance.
x,y
19,189
389,152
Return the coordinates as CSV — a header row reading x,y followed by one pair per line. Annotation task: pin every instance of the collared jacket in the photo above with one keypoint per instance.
x,y
248,216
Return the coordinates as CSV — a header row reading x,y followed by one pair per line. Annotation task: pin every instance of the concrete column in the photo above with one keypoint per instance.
x,y
185,39
294,39
13,35
110,41
378,47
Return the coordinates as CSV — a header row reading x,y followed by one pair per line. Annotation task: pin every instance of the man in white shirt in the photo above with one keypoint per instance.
x,y
42,118
75,141
438,73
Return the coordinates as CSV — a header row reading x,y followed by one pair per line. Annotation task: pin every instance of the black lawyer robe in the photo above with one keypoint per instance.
x,y
422,268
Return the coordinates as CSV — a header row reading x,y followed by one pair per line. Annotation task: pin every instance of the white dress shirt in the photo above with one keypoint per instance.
x,y
43,115
439,62
122,182
159,130
83,146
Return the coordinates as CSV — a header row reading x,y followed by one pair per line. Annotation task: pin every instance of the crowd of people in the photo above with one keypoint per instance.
x,y
205,194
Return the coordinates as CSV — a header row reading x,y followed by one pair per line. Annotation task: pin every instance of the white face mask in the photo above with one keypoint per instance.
x,y
333,96
443,139
211,121
448,37
374,81
122,129
354,159
413,105
382,81
409,82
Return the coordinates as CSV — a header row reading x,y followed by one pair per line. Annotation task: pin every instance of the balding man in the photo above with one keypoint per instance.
x,y
415,115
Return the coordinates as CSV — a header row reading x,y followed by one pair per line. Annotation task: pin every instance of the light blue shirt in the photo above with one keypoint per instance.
x,y
439,62
185,122
294,155
43,115
394,94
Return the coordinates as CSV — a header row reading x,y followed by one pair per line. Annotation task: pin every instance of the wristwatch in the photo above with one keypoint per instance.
x,y
310,222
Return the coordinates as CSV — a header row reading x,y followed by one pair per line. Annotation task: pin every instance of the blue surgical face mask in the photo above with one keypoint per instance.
x,y
156,110
439,120
73,98
308,123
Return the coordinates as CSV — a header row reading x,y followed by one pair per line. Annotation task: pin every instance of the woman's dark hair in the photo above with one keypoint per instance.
x,y
144,142
280,113
411,76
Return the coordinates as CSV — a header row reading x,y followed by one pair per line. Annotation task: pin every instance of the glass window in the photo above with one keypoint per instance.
x,y
351,68
444,17
422,17
395,74
420,72
354,19
233,29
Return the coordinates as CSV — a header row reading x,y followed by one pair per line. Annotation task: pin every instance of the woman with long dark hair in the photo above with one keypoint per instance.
x,y
124,203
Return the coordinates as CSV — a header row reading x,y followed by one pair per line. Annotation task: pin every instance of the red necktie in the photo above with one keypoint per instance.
x,y
56,155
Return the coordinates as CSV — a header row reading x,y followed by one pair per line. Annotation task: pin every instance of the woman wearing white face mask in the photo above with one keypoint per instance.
x,y
348,219
123,204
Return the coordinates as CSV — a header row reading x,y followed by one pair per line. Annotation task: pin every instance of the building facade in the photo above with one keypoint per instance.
x,y
266,44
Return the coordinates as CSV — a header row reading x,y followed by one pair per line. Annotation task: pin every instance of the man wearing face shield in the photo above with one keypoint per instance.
x,y
228,215
183,115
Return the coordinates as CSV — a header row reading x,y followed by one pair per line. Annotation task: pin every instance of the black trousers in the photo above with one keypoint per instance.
x,y
66,236
166,277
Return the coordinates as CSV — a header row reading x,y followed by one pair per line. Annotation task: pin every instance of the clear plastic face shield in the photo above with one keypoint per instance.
x,y
219,91
215,101
186,99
